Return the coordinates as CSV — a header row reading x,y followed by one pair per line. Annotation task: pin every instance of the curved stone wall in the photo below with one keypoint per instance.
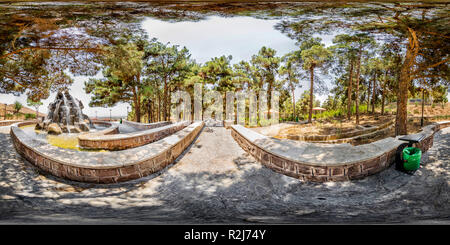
x,y
9,122
114,142
103,167
143,126
104,123
359,138
325,162
352,134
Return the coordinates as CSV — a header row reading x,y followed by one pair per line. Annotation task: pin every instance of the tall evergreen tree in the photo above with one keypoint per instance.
x,y
314,57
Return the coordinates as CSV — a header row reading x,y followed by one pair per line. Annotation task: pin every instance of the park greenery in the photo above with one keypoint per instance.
x,y
386,52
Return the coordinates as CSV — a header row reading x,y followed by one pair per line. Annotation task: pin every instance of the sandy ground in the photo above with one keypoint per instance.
x,y
335,126
215,181
436,110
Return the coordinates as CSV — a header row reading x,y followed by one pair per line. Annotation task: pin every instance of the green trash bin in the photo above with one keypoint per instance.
x,y
411,158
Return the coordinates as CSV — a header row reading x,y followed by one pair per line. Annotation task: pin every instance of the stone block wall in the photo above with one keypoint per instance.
x,y
127,141
143,126
100,172
103,123
339,138
9,122
322,173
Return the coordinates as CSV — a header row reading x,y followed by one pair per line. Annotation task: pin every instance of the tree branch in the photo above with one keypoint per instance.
x,y
50,48
431,66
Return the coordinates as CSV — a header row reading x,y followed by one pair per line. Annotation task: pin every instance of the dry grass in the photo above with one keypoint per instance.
x,y
338,126
22,112
436,110
335,126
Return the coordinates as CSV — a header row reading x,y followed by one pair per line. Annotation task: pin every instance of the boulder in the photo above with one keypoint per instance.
x,y
45,124
73,129
82,126
64,128
66,110
39,126
54,128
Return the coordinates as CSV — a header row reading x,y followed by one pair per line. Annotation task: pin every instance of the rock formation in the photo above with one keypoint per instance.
x,y
65,116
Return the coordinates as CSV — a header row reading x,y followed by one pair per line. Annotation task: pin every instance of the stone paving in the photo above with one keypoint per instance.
x,y
215,181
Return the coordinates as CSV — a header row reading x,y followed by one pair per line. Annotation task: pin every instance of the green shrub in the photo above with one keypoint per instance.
x,y
30,116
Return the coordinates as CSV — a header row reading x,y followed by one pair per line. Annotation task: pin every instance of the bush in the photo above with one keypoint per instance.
x,y
30,116
17,107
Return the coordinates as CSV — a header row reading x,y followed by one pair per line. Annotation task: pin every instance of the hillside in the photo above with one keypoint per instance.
x,y
21,115
436,110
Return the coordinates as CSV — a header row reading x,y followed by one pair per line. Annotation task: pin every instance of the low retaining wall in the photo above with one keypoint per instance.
x,y
360,138
9,122
104,167
319,138
325,162
143,126
108,131
104,123
26,123
114,142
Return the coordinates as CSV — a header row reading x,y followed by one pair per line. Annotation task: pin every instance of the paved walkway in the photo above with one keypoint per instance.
x,y
215,181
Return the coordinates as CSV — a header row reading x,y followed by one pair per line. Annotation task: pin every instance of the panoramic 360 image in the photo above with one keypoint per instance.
x,y
224,112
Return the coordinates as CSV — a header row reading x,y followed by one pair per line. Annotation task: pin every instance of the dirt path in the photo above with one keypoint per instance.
x,y
215,181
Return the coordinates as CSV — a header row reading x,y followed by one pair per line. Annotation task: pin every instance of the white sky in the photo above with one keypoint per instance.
x,y
240,37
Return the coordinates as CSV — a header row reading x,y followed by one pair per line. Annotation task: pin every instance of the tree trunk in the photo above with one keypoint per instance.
x,y
349,90
311,92
383,92
138,108
149,111
358,73
382,100
403,83
368,95
165,100
159,106
373,93
402,95
269,98
423,105
169,93
293,102
135,103
357,98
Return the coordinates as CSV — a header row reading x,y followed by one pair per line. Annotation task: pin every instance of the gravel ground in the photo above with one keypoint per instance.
x,y
215,181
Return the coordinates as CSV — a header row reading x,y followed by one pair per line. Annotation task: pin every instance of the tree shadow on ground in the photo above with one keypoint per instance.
x,y
251,194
